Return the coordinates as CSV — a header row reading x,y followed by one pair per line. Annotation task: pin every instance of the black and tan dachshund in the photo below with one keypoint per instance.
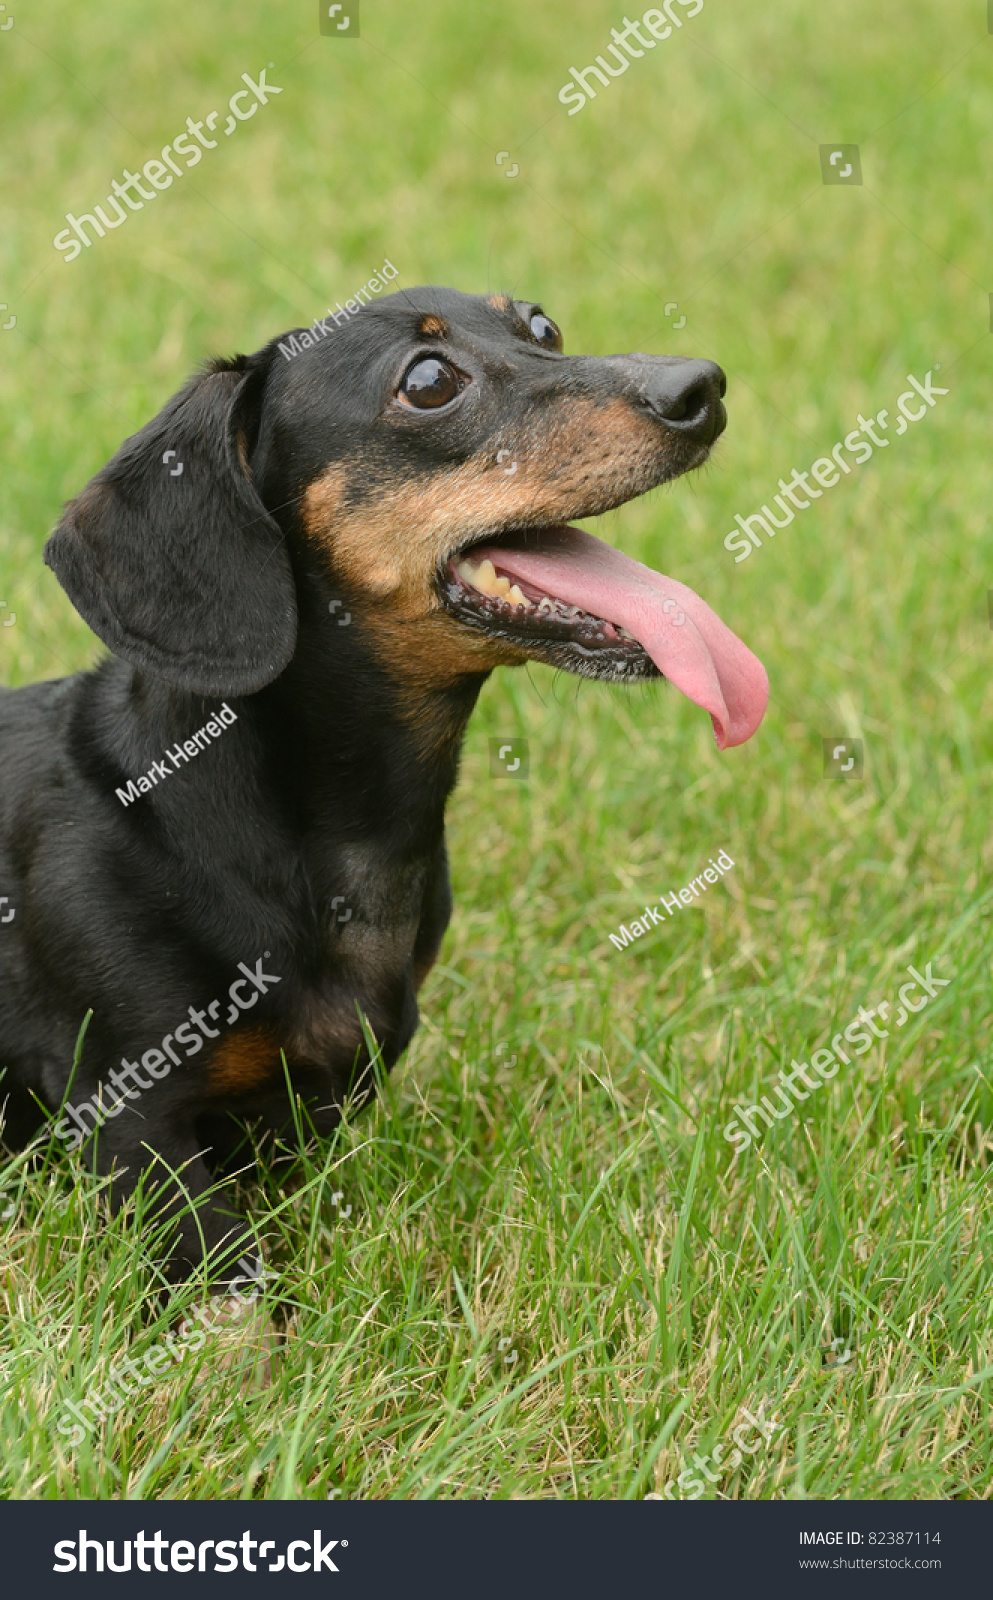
x,y
227,841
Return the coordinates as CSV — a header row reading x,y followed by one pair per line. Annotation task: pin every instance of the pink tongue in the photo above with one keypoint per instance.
x,y
698,654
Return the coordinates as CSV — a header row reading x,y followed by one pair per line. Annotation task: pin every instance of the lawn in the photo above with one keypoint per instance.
x,y
538,1268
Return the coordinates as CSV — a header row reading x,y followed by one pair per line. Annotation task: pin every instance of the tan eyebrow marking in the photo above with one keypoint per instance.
x,y
433,325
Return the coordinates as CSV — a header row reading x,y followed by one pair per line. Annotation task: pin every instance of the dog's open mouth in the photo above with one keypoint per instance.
x,y
569,598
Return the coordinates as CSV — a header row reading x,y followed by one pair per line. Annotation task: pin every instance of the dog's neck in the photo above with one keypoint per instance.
x,y
324,751
328,784
368,722
352,758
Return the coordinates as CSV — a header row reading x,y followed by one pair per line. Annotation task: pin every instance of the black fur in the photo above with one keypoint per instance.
x,y
321,799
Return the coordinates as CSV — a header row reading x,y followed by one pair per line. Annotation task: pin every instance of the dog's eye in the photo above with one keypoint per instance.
x,y
545,331
430,383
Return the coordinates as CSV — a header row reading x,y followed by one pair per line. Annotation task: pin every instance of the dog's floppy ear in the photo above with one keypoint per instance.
x,y
169,553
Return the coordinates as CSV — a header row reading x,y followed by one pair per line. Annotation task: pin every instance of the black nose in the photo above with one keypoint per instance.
x,y
686,396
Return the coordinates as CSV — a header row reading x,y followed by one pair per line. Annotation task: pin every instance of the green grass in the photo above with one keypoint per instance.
x,y
552,1281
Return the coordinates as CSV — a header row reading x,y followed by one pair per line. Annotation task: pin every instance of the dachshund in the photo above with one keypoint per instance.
x,y
304,569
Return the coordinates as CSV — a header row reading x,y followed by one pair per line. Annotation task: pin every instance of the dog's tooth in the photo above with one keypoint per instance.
x,y
546,604
501,585
484,577
516,598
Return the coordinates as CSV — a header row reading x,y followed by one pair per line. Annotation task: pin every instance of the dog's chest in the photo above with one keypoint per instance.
x,y
371,907
367,929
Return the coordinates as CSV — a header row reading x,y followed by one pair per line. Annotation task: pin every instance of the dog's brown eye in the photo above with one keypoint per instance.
x,y
545,331
430,383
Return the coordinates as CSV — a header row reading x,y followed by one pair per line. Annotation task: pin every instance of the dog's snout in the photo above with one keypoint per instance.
x,y
687,396
684,395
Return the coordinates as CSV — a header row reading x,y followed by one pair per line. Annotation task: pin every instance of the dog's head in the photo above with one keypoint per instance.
x,y
419,462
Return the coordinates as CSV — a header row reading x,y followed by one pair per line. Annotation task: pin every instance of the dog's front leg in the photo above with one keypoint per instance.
x,y
191,1225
